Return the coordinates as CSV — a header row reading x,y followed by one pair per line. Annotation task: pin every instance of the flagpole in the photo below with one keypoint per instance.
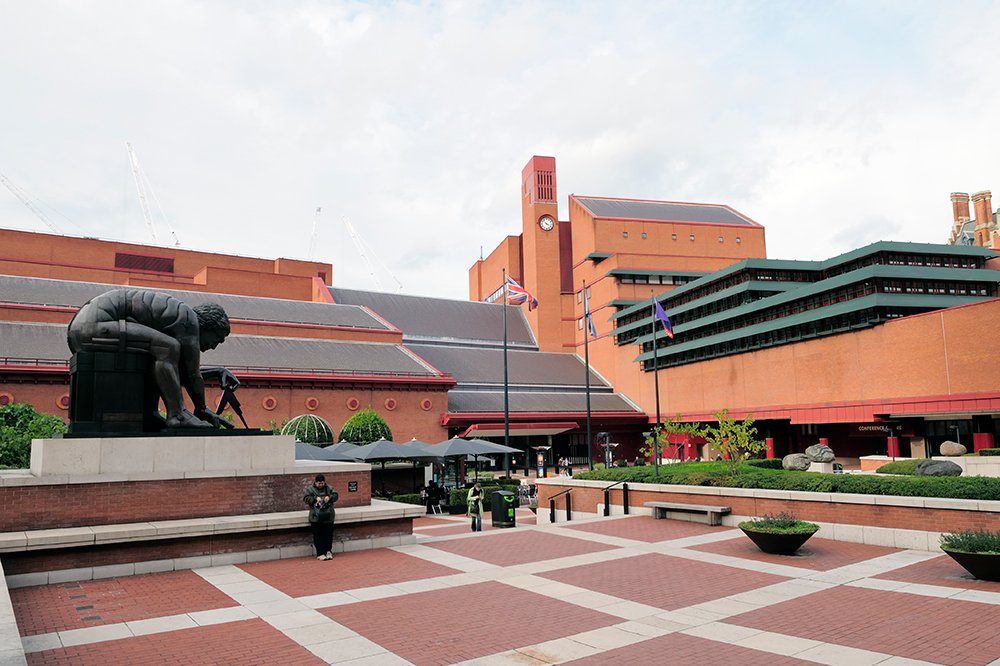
x,y
656,383
506,396
586,360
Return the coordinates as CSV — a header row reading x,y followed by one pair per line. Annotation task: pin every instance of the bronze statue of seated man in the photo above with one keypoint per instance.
x,y
173,333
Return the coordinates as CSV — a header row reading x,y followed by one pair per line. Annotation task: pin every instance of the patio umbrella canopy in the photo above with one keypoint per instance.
x,y
305,451
383,451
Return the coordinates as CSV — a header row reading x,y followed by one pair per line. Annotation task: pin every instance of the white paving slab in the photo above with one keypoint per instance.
x,y
158,625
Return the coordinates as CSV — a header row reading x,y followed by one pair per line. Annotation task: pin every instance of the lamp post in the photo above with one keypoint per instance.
x,y
958,432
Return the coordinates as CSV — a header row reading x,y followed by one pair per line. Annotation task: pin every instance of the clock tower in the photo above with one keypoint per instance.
x,y
540,249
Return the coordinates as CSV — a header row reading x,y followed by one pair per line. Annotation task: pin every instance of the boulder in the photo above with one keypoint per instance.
x,y
796,461
938,468
952,449
820,453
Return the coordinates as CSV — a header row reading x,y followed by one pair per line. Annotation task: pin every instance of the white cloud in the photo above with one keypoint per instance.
x,y
831,124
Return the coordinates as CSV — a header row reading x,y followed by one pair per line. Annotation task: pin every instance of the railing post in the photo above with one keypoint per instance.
x,y
607,502
569,510
625,497
552,510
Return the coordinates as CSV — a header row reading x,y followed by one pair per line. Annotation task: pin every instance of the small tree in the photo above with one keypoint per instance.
x,y
365,427
736,440
672,426
19,424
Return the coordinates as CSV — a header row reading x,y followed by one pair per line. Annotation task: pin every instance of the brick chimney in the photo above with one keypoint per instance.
x,y
983,206
960,206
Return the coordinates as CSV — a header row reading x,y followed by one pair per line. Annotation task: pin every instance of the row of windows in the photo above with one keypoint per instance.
x,y
673,237
824,299
655,279
828,326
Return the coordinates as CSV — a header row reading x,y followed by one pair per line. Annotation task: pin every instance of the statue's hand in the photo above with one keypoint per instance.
x,y
228,379
213,419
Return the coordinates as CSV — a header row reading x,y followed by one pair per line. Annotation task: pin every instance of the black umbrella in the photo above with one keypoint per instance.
x,y
305,451
383,451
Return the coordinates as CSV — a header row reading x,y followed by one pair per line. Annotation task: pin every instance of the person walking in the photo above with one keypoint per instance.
x,y
475,510
320,499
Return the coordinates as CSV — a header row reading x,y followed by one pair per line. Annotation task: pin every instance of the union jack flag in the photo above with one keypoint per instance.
x,y
518,294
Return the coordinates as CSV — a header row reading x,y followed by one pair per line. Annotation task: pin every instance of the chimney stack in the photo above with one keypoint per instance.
x,y
960,206
982,204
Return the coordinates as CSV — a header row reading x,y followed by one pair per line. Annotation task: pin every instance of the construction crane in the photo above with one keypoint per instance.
x,y
25,198
140,179
315,233
361,246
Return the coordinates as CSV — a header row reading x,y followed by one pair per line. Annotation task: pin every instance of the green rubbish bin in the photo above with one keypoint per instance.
x,y
503,503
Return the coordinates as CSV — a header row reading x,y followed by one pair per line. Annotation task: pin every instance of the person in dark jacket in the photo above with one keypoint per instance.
x,y
320,499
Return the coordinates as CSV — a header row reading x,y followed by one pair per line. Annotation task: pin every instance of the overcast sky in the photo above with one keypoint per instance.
x,y
833,124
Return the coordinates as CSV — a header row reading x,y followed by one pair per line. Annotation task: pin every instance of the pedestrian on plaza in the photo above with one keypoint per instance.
x,y
320,499
475,510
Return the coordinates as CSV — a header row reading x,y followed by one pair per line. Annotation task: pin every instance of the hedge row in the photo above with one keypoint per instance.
x,y
900,467
458,497
989,452
754,476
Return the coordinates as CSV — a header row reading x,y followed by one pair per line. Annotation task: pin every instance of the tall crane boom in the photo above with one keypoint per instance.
x,y
134,161
23,197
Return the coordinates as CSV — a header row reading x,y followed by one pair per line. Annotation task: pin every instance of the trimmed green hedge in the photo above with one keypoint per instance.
x,y
715,474
989,452
459,495
900,467
766,463
409,498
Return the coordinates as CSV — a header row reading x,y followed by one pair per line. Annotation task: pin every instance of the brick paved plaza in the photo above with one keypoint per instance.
x,y
625,590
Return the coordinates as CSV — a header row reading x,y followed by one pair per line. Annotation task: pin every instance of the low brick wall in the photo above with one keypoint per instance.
x,y
168,549
925,514
53,505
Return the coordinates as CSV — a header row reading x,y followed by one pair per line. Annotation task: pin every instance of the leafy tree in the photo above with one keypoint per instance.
x,y
274,427
19,424
736,440
365,427
672,426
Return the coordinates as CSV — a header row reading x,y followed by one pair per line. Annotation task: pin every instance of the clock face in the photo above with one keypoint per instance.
x,y
546,223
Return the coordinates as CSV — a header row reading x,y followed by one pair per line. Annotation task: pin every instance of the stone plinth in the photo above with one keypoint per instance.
x,y
825,467
153,455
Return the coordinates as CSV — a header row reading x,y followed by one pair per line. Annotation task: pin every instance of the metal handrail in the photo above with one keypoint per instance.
x,y
569,505
607,496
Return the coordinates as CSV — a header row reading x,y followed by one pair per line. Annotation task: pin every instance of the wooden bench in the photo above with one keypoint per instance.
x,y
714,513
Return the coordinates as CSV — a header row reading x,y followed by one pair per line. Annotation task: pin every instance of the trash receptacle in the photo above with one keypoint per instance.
x,y
503,503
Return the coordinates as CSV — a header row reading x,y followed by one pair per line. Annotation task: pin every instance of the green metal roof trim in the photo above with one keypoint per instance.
x,y
873,248
598,257
818,314
753,285
622,301
807,289
643,271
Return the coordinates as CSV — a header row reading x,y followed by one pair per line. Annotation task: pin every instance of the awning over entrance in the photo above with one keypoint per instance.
x,y
518,429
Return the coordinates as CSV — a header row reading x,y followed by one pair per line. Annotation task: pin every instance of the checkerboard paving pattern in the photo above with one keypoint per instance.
x,y
93,603
460,623
623,590
942,571
248,642
818,554
346,571
942,631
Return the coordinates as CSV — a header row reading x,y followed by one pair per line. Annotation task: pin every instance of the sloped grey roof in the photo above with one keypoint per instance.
x,y
48,342
663,211
440,318
535,401
38,291
476,365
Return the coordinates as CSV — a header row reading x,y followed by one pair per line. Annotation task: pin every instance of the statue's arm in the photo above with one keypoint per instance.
x,y
191,372
222,375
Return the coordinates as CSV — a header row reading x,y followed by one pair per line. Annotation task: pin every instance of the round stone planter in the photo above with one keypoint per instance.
x,y
778,543
984,566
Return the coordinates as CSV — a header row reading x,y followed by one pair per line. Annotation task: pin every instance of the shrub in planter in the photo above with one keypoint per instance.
x,y
978,551
409,498
900,467
780,534
989,452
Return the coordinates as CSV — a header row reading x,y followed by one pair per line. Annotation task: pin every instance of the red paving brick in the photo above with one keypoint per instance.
x,y
942,571
430,521
346,571
682,650
459,623
247,642
818,554
64,606
516,547
645,528
943,631
662,581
